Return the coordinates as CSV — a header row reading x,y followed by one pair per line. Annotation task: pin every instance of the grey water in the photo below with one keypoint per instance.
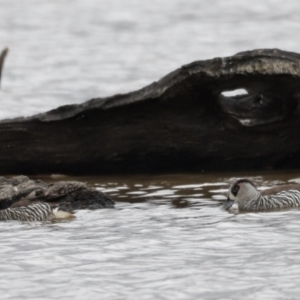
x,y
64,52
167,237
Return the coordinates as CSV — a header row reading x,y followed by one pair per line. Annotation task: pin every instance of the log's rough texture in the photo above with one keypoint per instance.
x,y
180,123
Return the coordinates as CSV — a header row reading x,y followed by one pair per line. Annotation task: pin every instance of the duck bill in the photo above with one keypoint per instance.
x,y
227,204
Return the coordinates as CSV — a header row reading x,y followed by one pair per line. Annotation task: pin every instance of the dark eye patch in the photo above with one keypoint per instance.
x,y
235,190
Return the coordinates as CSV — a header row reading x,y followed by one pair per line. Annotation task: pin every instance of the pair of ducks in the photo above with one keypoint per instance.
x,y
33,200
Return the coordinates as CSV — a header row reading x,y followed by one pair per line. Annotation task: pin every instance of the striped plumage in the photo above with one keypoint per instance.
x,y
24,199
33,212
244,194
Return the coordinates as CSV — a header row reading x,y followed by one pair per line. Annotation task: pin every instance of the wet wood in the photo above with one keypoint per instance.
x,y
181,123
2,58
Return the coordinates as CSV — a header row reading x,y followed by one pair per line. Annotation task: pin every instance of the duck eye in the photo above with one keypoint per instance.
x,y
234,190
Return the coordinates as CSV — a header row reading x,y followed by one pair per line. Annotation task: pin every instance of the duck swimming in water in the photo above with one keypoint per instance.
x,y
34,212
246,197
34,200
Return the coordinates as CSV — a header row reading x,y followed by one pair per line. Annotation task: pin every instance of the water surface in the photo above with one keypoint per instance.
x,y
166,239
64,52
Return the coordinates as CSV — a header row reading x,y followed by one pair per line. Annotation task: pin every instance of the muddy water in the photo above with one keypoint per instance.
x,y
166,239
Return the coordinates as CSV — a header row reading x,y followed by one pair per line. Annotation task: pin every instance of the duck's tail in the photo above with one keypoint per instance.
x,y
61,214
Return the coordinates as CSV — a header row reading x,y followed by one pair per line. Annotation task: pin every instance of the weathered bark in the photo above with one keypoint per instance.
x,y
180,123
2,58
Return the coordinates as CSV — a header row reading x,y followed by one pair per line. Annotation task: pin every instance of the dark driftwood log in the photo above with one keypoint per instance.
x,y
2,58
180,123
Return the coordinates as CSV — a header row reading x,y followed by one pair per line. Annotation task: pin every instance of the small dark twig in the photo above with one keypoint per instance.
x,y
2,58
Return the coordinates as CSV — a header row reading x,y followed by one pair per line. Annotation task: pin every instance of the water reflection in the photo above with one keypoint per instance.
x,y
165,192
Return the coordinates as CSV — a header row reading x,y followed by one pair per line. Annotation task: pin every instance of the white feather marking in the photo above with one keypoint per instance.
x,y
60,214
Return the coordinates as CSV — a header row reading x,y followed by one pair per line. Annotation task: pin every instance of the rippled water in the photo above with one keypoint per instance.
x,y
166,239
64,52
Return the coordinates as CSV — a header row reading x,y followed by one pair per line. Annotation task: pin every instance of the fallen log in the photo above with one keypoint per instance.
x,y
181,123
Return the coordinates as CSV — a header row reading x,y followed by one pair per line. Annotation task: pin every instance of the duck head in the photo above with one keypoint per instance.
x,y
240,192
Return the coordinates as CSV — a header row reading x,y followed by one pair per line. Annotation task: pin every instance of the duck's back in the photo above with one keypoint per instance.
x,y
33,212
281,188
286,196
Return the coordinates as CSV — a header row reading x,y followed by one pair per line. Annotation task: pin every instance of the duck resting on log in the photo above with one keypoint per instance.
x,y
24,199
